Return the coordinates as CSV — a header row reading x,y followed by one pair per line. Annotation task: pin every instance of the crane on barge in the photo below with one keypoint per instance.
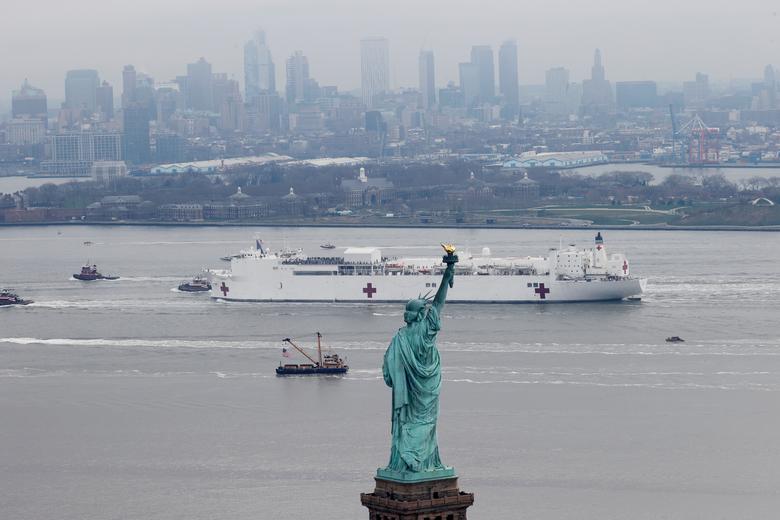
x,y
327,364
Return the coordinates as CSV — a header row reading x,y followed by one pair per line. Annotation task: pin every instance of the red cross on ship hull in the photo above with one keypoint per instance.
x,y
369,290
542,291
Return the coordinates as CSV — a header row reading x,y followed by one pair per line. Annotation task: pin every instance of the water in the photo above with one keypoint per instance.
x,y
128,400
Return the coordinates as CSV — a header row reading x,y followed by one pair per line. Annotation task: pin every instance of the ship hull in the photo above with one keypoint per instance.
x,y
93,278
282,371
193,288
281,285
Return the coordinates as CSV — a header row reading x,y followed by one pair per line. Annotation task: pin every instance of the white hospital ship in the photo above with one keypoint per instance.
x,y
364,275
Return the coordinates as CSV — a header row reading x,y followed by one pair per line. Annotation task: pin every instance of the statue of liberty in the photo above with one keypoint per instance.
x,y
412,369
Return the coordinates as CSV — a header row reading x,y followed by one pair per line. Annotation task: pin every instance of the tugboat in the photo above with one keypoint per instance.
x,y
675,339
8,297
197,284
90,273
327,364
327,246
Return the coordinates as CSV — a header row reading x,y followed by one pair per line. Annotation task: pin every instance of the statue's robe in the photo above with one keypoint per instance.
x,y
412,368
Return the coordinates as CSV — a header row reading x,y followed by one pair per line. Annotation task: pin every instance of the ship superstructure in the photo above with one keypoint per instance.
x,y
363,274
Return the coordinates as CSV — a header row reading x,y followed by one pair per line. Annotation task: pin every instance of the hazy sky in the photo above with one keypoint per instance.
x,y
664,40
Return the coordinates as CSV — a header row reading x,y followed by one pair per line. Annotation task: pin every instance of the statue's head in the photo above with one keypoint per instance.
x,y
415,310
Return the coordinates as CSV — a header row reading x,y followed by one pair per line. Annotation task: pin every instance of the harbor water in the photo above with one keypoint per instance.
x,y
127,399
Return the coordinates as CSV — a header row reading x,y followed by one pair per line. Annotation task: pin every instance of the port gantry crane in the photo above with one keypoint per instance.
x,y
700,141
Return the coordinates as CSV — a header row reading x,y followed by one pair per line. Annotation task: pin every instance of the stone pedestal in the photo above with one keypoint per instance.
x,y
438,499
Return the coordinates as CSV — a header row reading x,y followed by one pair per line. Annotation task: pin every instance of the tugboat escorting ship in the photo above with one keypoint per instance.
x,y
90,273
327,364
364,275
8,297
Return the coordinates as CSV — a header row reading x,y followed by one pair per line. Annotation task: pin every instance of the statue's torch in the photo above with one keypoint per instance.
x,y
450,259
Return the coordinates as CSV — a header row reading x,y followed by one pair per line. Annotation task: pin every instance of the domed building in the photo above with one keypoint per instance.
x,y
365,192
292,204
239,206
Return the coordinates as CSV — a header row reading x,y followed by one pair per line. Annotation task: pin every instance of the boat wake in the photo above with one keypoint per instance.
x,y
117,304
724,348
152,278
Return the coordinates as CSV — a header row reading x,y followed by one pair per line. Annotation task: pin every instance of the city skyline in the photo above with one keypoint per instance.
x,y
637,55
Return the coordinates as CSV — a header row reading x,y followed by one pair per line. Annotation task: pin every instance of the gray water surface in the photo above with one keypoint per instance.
x,y
129,400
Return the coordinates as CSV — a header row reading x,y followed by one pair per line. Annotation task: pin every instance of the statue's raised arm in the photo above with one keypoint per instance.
x,y
448,278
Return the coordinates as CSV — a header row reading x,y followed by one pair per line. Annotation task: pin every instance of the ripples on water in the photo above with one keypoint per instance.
x,y
167,394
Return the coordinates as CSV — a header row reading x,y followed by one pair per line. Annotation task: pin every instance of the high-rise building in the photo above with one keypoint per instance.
x,y
508,82
26,131
228,101
770,87
199,91
264,112
596,91
451,96
104,97
29,103
145,94
769,77
80,89
169,148
86,146
107,172
259,69
697,92
135,125
297,77
74,153
469,83
427,80
636,94
482,58
374,69
129,83
556,89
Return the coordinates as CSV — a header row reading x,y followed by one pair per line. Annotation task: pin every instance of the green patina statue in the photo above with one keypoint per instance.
x,y
413,370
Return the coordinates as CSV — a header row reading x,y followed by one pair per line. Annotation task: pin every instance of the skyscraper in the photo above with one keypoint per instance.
x,y
482,58
597,91
135,125
508,83
696,93
199,90
427,80
636,94
29,103
556,88
104,97
374,68
228,102
469,83
168,99
770,86
297,77
259,69
80,89
129,82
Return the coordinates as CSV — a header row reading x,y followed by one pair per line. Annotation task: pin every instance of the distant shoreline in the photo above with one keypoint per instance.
x,y
389,226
